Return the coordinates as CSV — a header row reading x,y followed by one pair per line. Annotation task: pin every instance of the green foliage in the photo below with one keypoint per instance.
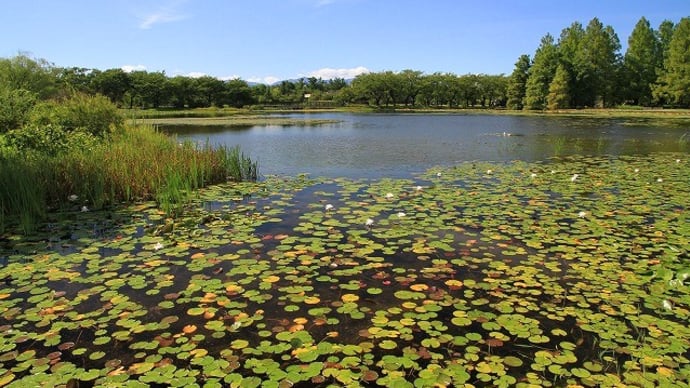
x,y
25,73
95,115
50,139
641,62
517,84
541,73
596,64
674,83
559,95
137,163
15,105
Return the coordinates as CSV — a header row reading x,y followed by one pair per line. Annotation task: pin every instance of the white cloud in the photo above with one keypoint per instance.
x,y
195,74
328,73
265,80
165,14
229,77
131,68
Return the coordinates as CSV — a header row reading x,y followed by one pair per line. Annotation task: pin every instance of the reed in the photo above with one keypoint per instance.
x,y
135,164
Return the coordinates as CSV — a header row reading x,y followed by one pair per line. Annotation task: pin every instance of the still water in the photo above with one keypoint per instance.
x,y
398,145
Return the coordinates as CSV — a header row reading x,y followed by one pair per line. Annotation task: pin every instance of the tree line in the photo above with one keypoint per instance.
x,y
584,68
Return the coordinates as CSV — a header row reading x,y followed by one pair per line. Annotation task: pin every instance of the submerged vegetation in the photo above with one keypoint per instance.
x,y
570,272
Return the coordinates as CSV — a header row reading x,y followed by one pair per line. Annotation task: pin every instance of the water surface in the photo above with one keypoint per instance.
x,y
397,145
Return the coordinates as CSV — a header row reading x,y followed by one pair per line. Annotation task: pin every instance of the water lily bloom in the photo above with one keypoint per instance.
x,y
660,180
637,170
158,246
418,188
582,214
84,209
389,195
73,198
553,171
489,171
677,160
438,174
667,305
369,222
534,175
574,177
401,214
328,207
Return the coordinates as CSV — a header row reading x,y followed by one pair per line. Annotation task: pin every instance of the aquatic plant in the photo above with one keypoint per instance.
x,y
485,281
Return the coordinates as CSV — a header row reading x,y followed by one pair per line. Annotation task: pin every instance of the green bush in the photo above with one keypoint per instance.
x,y
50,139
15,106
95,115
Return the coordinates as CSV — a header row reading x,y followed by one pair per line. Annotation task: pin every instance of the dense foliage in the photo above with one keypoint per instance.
x,y
584,68
63,147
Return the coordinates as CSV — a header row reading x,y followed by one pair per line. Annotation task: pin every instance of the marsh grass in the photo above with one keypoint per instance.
x,y
136,164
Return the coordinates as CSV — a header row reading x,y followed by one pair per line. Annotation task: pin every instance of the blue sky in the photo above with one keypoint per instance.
x,y
269,40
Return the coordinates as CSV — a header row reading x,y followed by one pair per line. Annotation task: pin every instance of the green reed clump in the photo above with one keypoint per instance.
x,y
134,164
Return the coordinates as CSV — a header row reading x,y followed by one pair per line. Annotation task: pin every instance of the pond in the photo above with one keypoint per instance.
x,y
415,270
395,145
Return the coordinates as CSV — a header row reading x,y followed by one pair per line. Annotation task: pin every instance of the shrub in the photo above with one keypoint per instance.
x,y
95,115
15,106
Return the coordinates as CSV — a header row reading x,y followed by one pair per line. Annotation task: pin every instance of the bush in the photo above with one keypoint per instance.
x,y
15,106
49,139
95,115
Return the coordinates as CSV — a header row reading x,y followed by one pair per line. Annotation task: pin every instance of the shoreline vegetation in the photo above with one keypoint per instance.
x,y
232,117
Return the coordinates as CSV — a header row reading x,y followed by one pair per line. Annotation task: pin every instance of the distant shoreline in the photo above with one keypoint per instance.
x,y
250,117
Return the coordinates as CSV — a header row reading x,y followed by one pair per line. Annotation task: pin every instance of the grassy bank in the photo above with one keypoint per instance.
x,y
137,163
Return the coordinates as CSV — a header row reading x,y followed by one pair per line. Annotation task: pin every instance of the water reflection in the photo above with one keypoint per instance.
x,y
396,145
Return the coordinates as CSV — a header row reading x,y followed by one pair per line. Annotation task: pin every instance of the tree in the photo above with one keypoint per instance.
x,y
33,75
541,73
517,84
569,47
238,93
664,36
641,61
597,63
410,85
112,83
559,92
674,83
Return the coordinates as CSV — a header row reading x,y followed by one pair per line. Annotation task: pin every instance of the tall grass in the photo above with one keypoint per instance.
x,y
135,164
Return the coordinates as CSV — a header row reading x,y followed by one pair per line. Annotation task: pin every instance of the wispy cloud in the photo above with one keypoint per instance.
x,y
131,68
328,73
164,14
264,80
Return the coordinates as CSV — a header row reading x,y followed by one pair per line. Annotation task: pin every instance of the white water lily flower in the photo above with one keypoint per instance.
x,y
660,180
677,160
401,214
533,175
637,170
328,207
73,197
574,177
84,209
389,195
582,214
158,246
553,171
438,174
418,188
489,171
369,222
667,305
